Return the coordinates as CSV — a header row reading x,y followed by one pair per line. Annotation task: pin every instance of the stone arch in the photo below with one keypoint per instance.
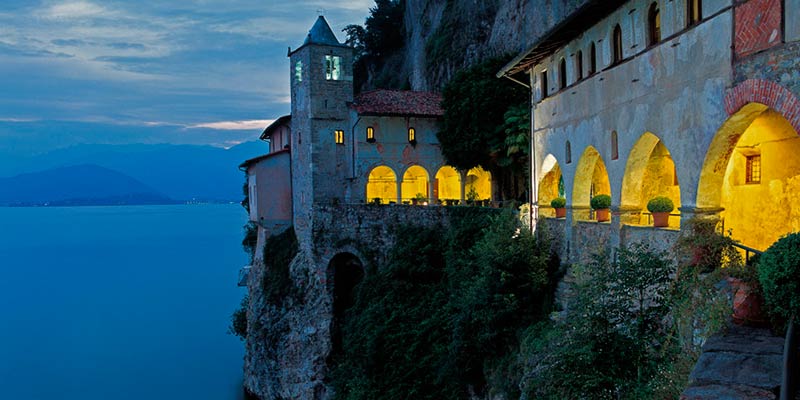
x,y
649,172
550,185
479,181
751,175
381,184
591,179
447,184
345,273
766,93
416,180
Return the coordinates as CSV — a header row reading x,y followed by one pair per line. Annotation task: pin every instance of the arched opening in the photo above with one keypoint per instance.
x,y
591,179
345,273
650,172
447,185
617,44
694,12
478,184
579,65
592,59
562,73
382,185
551,186
752,171
653,25
415,185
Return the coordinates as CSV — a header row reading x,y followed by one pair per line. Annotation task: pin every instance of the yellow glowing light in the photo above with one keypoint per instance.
x,y
447,185
480,181
415,181
382,184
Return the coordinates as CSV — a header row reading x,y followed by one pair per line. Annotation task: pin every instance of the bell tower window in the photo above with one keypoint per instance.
x,y
338,136
298,71
333,68
412,136
370,134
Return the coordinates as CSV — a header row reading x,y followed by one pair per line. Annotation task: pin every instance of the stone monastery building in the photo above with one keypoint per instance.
x,y
696,100
377,147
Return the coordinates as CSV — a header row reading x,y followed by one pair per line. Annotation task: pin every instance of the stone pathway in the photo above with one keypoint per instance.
x,y
743,363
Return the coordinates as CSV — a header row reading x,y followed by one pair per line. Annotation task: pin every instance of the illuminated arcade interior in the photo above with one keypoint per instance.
x,y
447,185
382,184
551,186
760,191
650,172
591,179
415,182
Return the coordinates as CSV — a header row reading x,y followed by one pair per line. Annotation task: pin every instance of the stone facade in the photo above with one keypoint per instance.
x,y
685,98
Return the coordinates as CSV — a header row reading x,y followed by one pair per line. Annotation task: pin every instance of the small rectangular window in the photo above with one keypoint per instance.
x,y
543,79
370,134
412,135
338,136
753,169
333,68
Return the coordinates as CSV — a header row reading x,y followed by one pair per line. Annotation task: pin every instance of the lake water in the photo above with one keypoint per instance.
x,y
120,302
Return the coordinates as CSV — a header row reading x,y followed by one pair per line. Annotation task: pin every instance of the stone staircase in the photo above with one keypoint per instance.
x,y
741,363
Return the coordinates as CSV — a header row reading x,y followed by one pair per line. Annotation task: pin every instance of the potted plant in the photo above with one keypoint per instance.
x,y
779,276
748,302
376,201
601,204
660,207
472,196
419,198
560,204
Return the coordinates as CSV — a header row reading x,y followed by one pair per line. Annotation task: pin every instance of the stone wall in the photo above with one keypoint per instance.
x,y
588,238
660,239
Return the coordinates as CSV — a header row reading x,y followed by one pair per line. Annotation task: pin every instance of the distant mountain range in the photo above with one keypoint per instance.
x,y
126,174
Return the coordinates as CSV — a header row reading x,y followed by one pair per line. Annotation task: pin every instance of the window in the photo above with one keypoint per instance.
x,y
614,146
568,155
412,135
694,12
543,79
579,65
338,136
592,59
562,73
653,25
370,134
617,44
298,71
333,68
753,169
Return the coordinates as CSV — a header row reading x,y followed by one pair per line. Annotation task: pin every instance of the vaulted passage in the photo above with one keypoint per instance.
x,y
415,184
551,186
382,185
447,185
752,171
650,172
478,185
591,179
345,273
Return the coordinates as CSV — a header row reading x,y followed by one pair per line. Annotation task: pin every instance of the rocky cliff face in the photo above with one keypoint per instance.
x,y
444,36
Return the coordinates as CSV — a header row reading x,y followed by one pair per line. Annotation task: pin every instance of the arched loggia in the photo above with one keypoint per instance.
x,y
650,172
591,179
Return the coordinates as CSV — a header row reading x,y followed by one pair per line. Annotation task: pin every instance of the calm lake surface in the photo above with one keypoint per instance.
x,y
120,302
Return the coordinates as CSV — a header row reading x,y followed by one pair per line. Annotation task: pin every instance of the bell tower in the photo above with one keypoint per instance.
x,y
321,73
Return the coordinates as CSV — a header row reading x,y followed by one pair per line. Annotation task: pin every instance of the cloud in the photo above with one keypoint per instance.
x,y
246,125
74,10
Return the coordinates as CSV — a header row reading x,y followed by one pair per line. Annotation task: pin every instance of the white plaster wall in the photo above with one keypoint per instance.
x,y
674,90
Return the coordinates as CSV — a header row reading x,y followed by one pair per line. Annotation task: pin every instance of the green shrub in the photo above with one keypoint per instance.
x,y
279,251
704,248
558,202
250,239
660,204
600,202
779,275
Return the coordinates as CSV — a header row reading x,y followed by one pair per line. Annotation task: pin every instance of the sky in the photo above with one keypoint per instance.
x,y
150,71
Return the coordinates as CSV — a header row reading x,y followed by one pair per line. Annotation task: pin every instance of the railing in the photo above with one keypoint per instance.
x,y
747,251
449,202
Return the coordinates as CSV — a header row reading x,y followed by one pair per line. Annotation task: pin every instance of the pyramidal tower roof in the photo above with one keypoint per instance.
x,y
321,33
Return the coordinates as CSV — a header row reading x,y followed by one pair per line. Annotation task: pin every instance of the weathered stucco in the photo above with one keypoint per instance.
x,y
270,187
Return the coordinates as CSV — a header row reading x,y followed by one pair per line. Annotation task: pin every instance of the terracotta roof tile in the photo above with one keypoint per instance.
x,y
399,103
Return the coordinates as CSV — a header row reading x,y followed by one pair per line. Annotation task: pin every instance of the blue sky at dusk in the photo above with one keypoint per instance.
x,y
166,71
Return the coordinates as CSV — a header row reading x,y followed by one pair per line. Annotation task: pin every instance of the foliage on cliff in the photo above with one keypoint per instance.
x,y
487,123
434,324
279,251
381,37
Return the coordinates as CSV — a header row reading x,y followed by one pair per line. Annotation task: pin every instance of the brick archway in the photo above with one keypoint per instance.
x,y
767,93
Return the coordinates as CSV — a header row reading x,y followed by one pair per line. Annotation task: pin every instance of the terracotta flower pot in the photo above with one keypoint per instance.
x,y
561,212
660,219
747,303
602,215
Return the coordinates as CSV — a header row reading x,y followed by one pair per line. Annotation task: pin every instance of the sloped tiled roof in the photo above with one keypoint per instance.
x,y
399,103
284,120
